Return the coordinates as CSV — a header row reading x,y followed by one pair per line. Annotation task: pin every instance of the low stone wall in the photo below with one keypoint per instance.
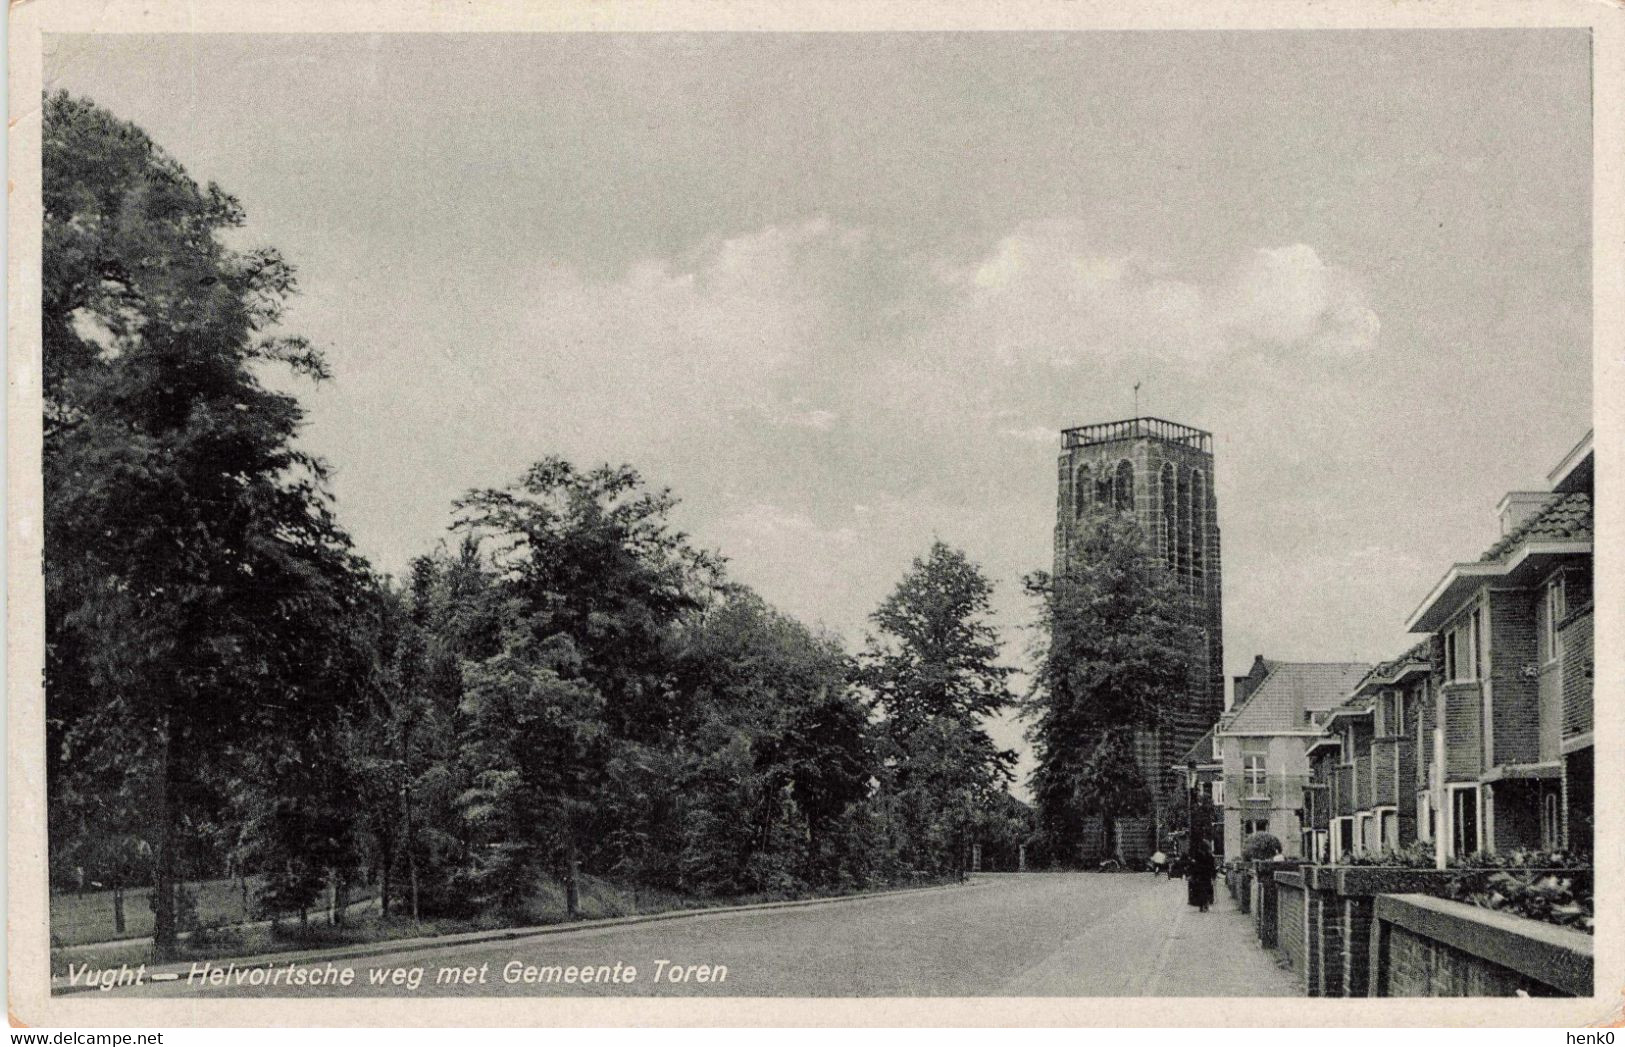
x,y
1423,946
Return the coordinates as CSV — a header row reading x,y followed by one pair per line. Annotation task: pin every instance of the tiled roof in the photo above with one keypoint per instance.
x,y
1202,751
1384,671
1294,691
1565,516
1357,704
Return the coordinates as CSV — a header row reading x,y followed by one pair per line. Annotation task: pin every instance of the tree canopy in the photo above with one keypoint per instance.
x,y
198,587
933,676
1111,647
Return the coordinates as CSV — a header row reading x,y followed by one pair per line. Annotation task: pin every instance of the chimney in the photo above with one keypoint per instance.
x,y
1519,506
1244,685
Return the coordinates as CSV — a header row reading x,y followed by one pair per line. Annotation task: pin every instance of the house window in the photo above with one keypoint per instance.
x,y
1481,649
1461,649
1556,608
1364,841
1254,825
1551,828
1217,790
1343,842
1464,837
1424,817
1255,776
1388,828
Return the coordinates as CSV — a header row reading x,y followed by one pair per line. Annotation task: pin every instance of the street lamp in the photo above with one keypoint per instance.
x,y
1190,805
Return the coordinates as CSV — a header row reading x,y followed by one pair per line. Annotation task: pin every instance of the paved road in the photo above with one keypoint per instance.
x,y
1011,935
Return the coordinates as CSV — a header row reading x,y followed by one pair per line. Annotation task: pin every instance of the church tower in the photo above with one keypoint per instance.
x,y
1162,472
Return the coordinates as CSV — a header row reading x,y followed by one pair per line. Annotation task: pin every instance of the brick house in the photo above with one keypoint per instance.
x,y
1368,786
1510,765
1263,742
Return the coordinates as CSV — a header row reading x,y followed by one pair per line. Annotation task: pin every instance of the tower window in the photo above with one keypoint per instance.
x,y
1083,493
1124,495
1185,522
1170,515
1198,519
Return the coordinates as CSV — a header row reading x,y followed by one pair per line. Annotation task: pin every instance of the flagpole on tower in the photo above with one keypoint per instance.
x,y
1136,399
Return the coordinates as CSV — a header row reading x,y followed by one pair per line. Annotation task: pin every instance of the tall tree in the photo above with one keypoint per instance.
x,y
1110,648
597,583
601,578
197,585
933,675
775,758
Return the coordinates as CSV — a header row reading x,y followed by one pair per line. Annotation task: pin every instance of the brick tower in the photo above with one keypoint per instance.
x,y
1163,473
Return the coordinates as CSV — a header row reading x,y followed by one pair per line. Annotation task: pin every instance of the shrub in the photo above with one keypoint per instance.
x,y
1521,859
1417,854
1261,847
1549,897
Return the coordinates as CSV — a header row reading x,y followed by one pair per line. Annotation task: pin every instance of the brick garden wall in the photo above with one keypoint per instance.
x,y
1290,924
1343,939
1422,946
1420,966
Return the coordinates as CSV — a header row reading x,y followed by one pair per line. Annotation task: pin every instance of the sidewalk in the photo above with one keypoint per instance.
x,y
1157,945
1214,953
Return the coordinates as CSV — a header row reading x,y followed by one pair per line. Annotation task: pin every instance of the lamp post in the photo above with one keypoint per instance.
x,y
1190,805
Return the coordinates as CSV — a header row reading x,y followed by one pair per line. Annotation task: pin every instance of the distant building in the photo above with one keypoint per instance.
x,y
1264,741
1162,473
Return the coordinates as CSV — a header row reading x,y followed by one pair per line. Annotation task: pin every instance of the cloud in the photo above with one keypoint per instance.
x,y
1044,295
798,414
672,343
768,523
1287,296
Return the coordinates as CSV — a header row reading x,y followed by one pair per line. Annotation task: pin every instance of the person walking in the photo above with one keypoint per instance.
x,y
1199,873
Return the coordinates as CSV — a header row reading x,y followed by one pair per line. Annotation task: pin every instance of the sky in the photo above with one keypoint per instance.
x,y
840,292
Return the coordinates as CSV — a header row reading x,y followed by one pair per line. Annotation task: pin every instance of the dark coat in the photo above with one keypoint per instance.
x,y
1201,869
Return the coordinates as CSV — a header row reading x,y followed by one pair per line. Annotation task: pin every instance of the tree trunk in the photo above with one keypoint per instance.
x,y
386,862
335,899
406,814
165,940
118,908
572,870
412,863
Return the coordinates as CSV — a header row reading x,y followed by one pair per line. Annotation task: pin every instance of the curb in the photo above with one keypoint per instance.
x,y
60,986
